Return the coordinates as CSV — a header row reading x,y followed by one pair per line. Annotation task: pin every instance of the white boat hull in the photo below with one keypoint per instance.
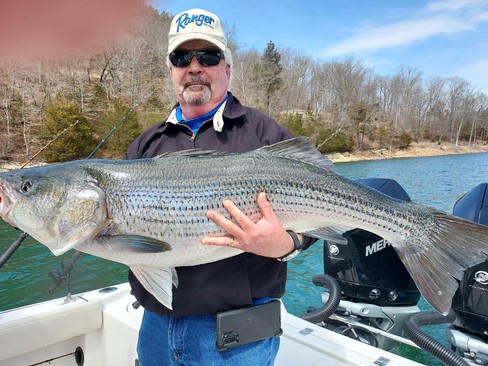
x,y
105,324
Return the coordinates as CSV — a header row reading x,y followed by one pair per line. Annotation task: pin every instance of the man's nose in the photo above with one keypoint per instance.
x,y
194,65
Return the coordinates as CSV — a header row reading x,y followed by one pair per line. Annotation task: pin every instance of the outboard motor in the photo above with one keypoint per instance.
x,y
378,293
367,267
469,333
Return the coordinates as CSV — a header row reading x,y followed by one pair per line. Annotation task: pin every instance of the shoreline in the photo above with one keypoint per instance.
x,y
415,150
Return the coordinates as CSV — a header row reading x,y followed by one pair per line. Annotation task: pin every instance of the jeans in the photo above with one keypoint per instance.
x,y
190,341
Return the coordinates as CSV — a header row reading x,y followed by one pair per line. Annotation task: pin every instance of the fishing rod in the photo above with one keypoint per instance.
x,y
57,276
114,128
12,248
49,143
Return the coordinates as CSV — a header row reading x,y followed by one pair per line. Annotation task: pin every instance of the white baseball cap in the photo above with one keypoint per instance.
x,y
196,24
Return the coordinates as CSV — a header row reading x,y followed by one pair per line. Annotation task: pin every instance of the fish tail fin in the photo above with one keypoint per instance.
x,y
158,281
453,246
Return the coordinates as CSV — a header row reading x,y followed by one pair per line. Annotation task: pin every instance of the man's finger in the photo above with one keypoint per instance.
x,y
227,225
264,205
224,241
241,219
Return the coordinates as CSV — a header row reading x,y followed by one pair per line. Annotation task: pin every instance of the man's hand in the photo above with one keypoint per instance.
x,y
266,238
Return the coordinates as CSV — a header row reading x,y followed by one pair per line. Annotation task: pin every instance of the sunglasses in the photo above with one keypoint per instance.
x,y
204,57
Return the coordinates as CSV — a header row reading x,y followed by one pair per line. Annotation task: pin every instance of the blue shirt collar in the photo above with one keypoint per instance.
x,y
195,123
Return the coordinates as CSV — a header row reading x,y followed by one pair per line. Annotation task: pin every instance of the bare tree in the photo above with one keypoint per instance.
x,y
242,76
435,107
458,90
296,81
480,107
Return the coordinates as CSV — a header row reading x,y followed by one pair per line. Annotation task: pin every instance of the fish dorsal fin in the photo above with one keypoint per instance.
x,y
299,148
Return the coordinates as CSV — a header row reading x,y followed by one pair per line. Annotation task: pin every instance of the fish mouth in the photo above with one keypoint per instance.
x,y
5,205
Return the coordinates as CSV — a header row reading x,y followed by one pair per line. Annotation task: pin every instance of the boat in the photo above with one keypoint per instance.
x,y
362,317
100,328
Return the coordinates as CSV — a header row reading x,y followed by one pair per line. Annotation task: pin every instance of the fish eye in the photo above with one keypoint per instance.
x,y
26,186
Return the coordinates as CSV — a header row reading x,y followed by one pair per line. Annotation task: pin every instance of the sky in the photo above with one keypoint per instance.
x,y
439,38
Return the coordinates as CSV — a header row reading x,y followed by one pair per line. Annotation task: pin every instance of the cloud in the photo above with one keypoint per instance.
x,y
454,5
436,18
398,34
481,17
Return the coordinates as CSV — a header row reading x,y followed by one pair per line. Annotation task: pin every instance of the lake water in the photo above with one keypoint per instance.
x,y
433,181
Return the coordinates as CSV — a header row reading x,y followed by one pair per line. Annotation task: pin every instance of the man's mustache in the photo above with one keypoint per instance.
x,y
194,80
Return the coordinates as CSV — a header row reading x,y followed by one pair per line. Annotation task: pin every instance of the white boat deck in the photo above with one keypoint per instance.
x,y
105,326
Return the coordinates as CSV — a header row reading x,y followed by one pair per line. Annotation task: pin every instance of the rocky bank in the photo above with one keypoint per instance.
x,y
415,150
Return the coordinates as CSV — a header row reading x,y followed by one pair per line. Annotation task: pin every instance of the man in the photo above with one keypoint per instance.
x,y
209,117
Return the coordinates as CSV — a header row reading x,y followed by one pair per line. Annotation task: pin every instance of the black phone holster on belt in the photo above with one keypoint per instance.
x,y
250,324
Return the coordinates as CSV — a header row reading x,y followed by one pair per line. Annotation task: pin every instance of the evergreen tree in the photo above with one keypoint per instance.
x,y
120,140
267,74
75,139
294,123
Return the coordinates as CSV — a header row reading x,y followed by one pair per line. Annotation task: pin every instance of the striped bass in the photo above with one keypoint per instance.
x,y
150,213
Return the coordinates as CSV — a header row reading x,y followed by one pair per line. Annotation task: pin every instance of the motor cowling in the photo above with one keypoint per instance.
x,y
471,299
367,268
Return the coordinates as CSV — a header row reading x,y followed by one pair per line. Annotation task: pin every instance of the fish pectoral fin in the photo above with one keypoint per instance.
x,y
158,281
135,243
330,233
